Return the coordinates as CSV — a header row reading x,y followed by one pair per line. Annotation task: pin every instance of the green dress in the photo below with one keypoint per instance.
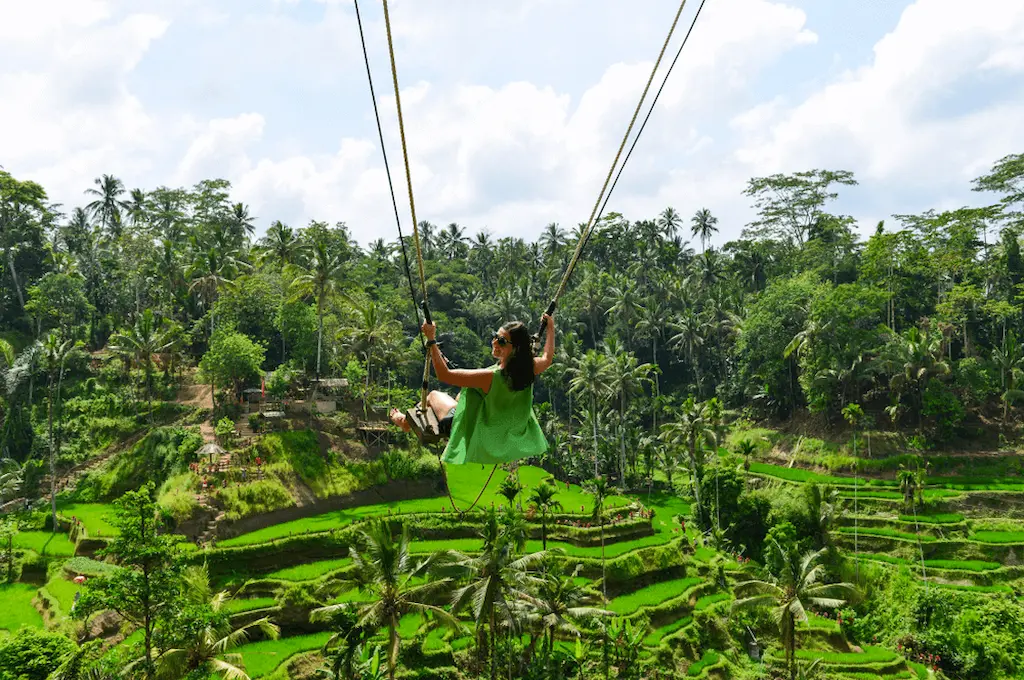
x,y
493,428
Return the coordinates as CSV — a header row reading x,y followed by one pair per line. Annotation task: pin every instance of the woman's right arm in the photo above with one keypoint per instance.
x,y
459,377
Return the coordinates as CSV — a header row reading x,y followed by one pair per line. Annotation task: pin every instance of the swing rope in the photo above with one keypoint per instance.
x,y
387,170
591,222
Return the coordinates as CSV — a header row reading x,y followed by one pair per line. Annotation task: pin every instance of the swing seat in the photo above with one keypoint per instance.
x,y
424,424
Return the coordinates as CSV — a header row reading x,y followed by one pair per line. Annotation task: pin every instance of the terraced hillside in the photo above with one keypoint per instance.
x,y
668,591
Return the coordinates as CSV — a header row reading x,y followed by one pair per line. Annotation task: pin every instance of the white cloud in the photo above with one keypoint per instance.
x,y
511,123
889,121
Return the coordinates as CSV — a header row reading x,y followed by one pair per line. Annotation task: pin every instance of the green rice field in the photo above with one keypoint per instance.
x,y
651,595
45,543
310,571
16,608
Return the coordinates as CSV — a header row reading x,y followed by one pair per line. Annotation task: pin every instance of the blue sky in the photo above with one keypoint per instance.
x,y
513,110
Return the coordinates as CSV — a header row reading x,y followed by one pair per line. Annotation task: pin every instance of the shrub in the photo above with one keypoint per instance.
x,y
254,498
177,497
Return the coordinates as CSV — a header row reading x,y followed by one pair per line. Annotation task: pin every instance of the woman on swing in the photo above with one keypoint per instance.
x,y
492,421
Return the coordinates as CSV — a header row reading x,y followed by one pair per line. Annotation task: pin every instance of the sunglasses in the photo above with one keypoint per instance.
x,y
502,341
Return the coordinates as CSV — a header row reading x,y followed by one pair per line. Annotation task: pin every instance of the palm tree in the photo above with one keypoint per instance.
x,y
703,226
600,489
552,238
320,278
690,331
911,359
280,243
213,269
669,221
558,604
140,342
542,498
136,207
1010,360
822,504
344,645
385,569
626,378
591,379
692,432
372,327
56,351
510,488
108,204
240,222
497,581
796,587
650,324
208,649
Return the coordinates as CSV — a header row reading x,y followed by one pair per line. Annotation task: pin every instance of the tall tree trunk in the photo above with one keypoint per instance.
x,y
53,461
14,277
696,470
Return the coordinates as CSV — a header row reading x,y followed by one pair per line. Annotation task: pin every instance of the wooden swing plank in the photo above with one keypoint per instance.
x,y
424,424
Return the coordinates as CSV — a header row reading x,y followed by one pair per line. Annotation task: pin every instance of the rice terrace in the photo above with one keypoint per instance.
x,y
775,434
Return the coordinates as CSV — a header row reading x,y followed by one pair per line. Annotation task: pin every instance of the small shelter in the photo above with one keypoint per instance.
x,y
210,450
328,392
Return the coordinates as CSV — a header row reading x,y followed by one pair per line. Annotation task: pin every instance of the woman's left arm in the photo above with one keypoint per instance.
x,y
543,362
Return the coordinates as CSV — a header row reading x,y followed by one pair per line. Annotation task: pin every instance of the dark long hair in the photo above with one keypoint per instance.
x,y
518,369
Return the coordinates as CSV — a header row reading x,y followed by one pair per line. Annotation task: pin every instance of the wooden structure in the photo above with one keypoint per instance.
x,y
328,392
423,422
374,434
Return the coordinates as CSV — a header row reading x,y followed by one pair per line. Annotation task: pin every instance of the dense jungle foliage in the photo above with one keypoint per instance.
x,y
798,448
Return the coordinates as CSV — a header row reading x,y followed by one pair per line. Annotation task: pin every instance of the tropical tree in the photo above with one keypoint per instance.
x,y
496,580
590,378
799,585
108,204
385,570
210,635
1009,359
56,351
542,499
321,277
692,432
600,489
140,342
703,226
558,604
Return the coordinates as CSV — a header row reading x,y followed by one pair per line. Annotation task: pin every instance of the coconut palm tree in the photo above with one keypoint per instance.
x,y
280,244
344,645
590,378
669,221
384,569
626,379
1009,359
56,351
140,342
542,499
822,507
496,581
796,587
692,432
600,489
321,277
208,650
558,604
702,225
108,204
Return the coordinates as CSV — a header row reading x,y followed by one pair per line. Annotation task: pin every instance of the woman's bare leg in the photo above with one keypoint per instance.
x,y
440,403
